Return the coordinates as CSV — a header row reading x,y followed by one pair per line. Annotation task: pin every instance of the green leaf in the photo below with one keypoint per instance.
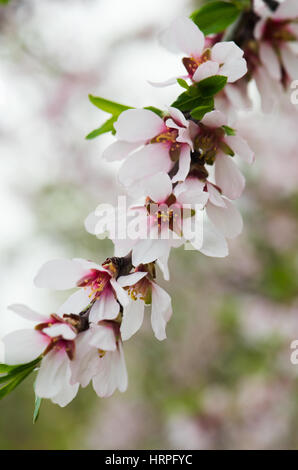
x,y
107,126
191,99
10,386
4,368
229,130
211,85
38,401
200,111
215,17
157,111
183,83
108,106
4,2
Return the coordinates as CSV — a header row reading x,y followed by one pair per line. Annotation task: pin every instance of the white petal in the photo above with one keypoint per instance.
x,y
66,395
191,192
131,279
132,320
76,302
23,346
225,52
234,69
214,119
26,312
103,337
165,83
178,116
184,164
152,159
286,10
183,36
158,187
52,373
146,251
290,61
137,125
227,220
60,329
240,147
270,60
112,374
228,177
161,311
214,196
205,70
120,292
162,263
105,308
119,150
86,361
214,243
59,274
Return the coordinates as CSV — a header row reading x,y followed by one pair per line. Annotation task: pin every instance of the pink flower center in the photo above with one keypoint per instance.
x,y
95,281
277,31
57,342
169,137
192,63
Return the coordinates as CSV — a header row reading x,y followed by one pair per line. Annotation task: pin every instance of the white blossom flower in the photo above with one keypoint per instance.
x,y
217,147
224,58
53,338
150,144
277,33
100,358
97,286
146,291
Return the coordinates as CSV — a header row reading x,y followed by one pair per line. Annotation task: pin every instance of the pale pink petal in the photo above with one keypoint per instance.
x,y
131,279
152,159
162,263
66,395
119,150
26,312
183,36
120,292
240,147
165,83
112,374
86,361
103,337
259,29
137,125
270,60
23,346
214,196
59,274
228,177
104,308
161,311
158,187
184,164
60,329
290,61
76,302
123,247
225,52
286,10
191,192
214,119
214,243
146,251
178,116
234,70
133,315
51,375
227,220
205,70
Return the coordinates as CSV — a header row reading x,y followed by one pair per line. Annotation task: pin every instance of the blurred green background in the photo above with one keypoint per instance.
x,y
223,379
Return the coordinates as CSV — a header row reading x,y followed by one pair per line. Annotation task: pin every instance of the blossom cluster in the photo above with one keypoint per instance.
x,y
179,167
